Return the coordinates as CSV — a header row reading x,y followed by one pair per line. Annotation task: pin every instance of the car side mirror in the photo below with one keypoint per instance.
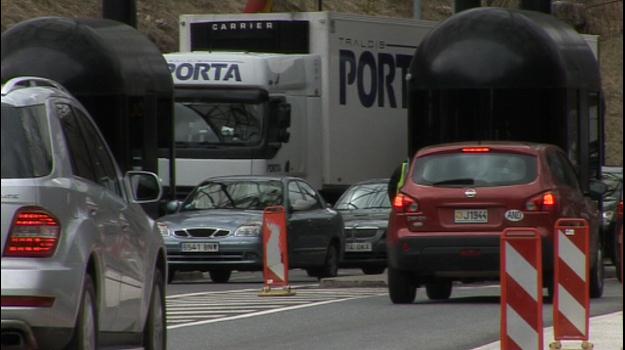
x,y
146,187
597,189
172,206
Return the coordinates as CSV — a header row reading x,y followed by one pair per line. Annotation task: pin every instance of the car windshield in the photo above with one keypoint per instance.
x,y
366,196
475,169
213,123
26,150
244,194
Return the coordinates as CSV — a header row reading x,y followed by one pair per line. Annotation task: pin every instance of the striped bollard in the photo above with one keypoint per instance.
x,y
571,303
521,289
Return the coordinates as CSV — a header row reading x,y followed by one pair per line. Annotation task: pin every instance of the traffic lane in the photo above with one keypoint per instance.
x,y
193,282
469,319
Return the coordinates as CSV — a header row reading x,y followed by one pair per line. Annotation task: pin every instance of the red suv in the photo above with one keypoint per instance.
x,y
447,219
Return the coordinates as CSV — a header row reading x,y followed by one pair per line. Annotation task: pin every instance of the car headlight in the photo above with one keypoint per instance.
x,y
162,227
249,230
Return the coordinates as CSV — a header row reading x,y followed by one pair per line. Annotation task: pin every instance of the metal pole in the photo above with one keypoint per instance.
x,y
416,9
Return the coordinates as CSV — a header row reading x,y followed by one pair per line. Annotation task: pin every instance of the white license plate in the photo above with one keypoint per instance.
x,y
358,247
200,247
470,216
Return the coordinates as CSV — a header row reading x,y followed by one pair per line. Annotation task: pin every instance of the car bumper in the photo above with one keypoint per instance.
x,y
50,326
241,255
457,256
374,258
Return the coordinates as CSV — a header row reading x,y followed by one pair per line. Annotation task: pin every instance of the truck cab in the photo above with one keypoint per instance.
x,y
232,114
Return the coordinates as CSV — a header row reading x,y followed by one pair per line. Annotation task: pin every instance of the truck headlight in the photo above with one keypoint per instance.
x,y
249,230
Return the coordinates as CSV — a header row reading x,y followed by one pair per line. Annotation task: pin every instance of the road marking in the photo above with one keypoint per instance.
x,y
195,309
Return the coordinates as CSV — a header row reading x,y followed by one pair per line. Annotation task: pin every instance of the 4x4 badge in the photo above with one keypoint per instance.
x,y
470,193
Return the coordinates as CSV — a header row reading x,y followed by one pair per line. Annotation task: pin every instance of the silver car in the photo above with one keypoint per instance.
x,y
218,227
365,208
83,266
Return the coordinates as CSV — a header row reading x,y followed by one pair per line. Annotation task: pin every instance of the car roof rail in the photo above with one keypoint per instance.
x,y
29,81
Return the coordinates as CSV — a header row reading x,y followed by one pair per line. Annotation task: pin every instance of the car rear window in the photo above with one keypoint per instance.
x,y
486,169
25,142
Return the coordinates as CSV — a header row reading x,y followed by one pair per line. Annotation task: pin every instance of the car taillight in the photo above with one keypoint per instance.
x,y
405,204
547,201
619,211
34,233
27,301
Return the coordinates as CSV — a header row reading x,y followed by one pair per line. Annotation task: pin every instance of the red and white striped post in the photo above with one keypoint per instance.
x,y
571,304
521,289
275,253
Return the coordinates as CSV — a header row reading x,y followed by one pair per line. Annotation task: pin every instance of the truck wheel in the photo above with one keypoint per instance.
x,y
86,329
440,290
401,286
597,272
220,276
154,333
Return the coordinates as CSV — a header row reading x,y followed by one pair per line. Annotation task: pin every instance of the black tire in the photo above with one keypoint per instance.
x,y
154,331
597,273
373,270
220,276
331,265
401,286
86,329
170,275
440,290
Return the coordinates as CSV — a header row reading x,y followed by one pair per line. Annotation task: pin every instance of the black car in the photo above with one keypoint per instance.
x,y
218,227
365,208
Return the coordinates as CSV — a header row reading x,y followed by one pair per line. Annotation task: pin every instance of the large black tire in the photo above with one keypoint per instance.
x,y
373,270
86,330
597,273
401,286
154,331
331,264
439,290
220,276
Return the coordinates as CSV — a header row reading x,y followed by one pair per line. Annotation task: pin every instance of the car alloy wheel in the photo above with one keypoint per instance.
x,y
86,329
154,333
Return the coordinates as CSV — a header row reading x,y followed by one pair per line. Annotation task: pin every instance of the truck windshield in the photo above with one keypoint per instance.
x,y
218,123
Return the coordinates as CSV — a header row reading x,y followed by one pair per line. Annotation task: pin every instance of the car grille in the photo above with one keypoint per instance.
x,y
361,232
201,233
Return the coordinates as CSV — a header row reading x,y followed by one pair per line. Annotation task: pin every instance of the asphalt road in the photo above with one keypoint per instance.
x,y
232,316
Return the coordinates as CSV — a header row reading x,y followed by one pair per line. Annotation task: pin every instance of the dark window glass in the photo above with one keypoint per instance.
x,y
475,169
103,165
310,196
78,150
366,196
25,138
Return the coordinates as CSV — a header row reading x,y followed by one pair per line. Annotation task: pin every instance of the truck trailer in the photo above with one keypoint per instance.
x,y
319,95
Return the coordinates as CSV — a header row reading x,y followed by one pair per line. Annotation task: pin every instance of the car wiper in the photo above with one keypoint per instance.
x,y
461,181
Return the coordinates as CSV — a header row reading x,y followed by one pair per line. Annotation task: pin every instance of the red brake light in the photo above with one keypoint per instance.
x,y
404,204
27,301
620,210
34,233
547,201
476,149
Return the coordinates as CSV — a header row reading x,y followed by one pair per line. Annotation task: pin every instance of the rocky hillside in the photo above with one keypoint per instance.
x,y
158,19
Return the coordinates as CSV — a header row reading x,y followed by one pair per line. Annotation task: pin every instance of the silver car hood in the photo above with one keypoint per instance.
x,y
215,218
366,217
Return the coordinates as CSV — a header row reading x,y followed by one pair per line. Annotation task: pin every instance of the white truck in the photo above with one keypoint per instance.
x,y
319,95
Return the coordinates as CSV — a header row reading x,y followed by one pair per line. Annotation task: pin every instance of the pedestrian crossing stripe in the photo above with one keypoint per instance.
x,y
208,307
